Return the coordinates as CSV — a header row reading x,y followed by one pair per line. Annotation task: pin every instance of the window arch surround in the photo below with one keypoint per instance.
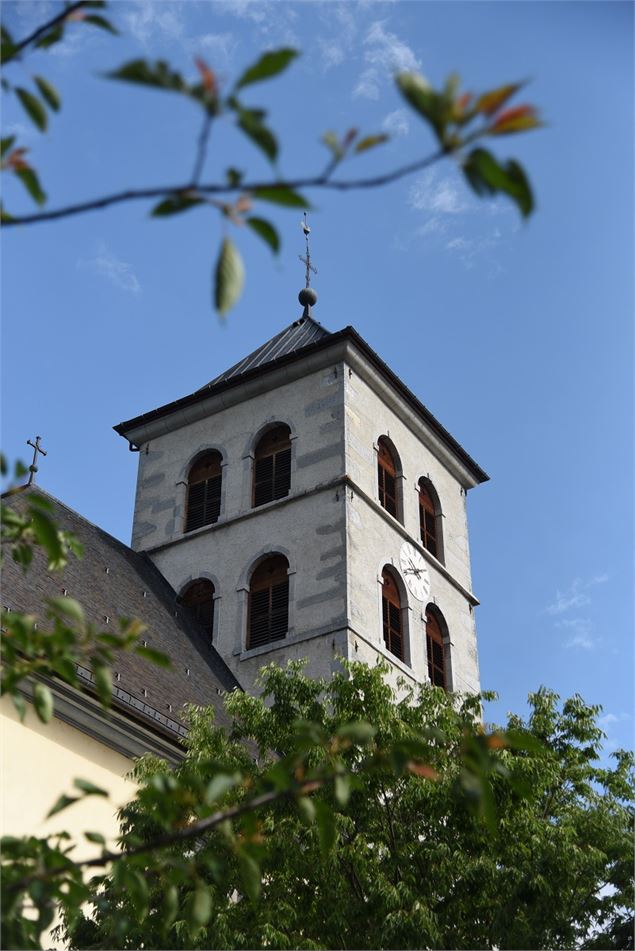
x,y
272,465
204,490
394,614
430,518
268,609
389,478
198,598
437,648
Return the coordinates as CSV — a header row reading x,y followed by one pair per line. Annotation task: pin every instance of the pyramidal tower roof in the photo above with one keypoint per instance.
x,y
301,333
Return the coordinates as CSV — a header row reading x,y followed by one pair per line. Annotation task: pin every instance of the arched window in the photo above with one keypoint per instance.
x,y
272,466
269,602
437,671
198,598
387,478
391,610
203,491
430,519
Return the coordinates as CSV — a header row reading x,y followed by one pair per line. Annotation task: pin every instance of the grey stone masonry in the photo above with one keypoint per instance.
x,y
338,399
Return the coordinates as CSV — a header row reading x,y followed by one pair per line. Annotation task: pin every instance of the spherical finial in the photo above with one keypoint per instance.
x,y
307,297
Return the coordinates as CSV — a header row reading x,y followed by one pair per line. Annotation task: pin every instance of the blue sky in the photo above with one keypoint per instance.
x,y
517,336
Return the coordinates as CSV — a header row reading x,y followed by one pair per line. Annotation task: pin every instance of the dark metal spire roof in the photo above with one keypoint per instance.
x,y
301,333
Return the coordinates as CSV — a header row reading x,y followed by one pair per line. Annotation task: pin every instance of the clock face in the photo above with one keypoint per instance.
x,y
415,571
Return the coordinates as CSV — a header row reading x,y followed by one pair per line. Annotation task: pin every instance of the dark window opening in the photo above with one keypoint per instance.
x,y
199,601
269,602
204,492
391,615
436,651
272,466
387,479
428,520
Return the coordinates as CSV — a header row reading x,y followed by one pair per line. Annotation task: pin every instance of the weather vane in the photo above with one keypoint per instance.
x,y
36,448
307,259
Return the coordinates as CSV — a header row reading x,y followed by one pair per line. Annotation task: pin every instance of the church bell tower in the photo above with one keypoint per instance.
x,y
305,504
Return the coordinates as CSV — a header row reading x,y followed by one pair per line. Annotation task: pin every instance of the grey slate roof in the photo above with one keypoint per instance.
x,y
301,333
113,581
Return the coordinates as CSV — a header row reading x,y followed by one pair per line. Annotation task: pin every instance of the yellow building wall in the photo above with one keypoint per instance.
x,y
39,762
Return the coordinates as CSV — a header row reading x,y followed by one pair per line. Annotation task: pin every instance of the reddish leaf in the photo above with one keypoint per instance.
x,y
421,769
489,102
519,119
207,76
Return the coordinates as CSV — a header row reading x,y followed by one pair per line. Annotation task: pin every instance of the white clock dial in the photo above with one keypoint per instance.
x,y
415,571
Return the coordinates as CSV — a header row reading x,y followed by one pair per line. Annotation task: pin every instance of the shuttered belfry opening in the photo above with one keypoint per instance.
x,y
272,466
269,602
428,520
198,598
391,614
387,478
436,649
204,491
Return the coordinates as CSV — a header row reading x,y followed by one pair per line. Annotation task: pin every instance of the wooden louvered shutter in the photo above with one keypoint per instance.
x,y
199,601
204,492
436,651
272,466
387,479
427,521
391,615
269,602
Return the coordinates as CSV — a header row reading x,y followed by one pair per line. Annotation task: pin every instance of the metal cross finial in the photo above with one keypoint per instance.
x,y
36,448
307,259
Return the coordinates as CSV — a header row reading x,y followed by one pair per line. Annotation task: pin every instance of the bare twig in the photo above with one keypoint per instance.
x,y
202,148
64,15
318,181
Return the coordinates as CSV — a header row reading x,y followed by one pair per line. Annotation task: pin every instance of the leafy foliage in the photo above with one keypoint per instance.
x,y
332,815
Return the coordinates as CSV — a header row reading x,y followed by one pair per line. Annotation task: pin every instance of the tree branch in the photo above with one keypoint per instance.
x,y
202,148
172,838
318,181
66,12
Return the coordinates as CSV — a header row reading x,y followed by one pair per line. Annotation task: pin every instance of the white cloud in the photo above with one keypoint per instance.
x,y
218,46
580,630
367,86
396,123
610,718
147,19
387,51
106,265
577,595
273,22
438,195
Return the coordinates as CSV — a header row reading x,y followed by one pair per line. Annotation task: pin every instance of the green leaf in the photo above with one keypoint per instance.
x,y
6,144
174,204
370,141
229,277
332,142
487,177
95,837
234,176
101,22
48,92
218,786
154,656
306,808
7,45
43,702
269,64
281,195
327,831
137,890
201,905
32,184
360,732
20,705
259,134
33,107
88,788
62,803
69,607
250,874
265,230
48,39
158,74
170,905
342,790
103,684
419,94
